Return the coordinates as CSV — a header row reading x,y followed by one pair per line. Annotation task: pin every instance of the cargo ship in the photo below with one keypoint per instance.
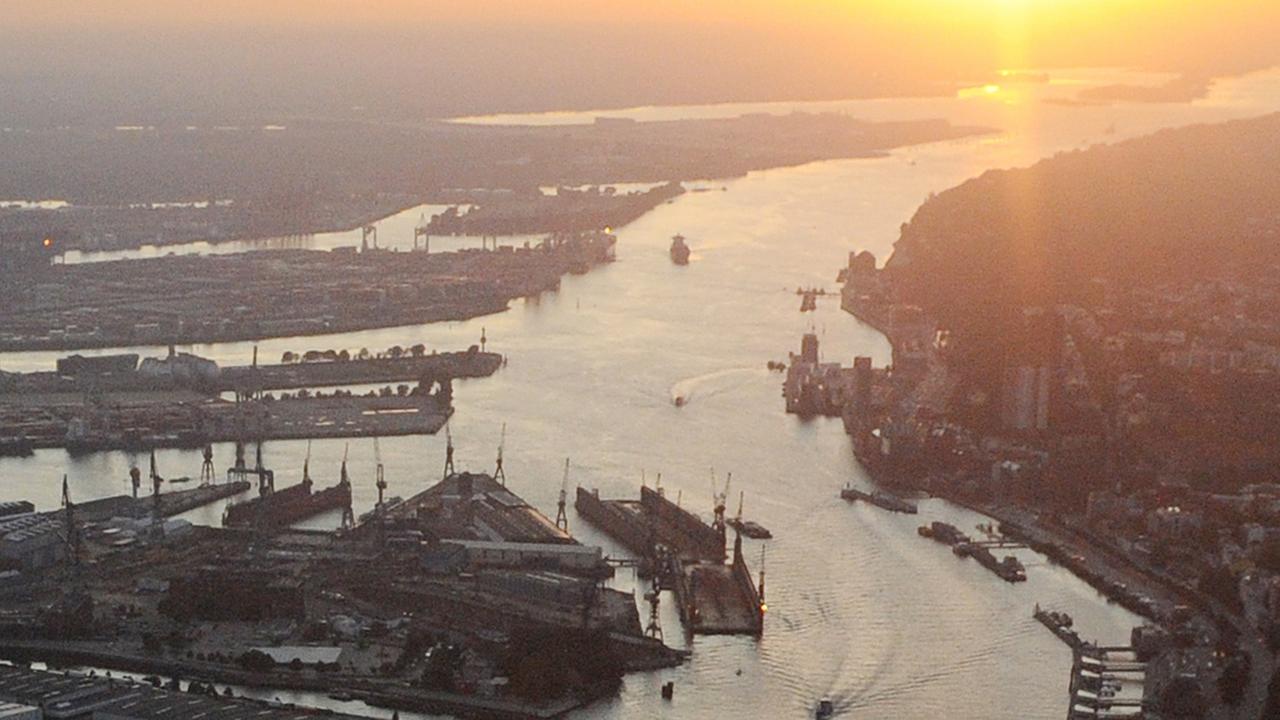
x,y
679,250
282,508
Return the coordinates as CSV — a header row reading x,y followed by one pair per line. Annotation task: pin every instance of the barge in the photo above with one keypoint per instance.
x,y
880,499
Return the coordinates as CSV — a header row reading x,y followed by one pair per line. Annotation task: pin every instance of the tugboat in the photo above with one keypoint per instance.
x,y
679,250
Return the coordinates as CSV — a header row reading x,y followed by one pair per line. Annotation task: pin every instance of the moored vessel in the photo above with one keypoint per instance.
x,y
679,250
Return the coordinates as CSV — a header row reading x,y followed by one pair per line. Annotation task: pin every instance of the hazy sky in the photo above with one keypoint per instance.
x,y
81,59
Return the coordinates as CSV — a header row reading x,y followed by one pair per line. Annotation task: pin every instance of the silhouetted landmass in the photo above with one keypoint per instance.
x,y
1156,257
314,176
1181,204
568,210
1181,89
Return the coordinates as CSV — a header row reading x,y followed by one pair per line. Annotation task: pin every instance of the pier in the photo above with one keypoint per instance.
x,y
1096,680
169,503
89,405
1009,568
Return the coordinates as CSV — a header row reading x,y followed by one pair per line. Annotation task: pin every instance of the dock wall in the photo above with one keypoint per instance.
x,y
613,521
691,534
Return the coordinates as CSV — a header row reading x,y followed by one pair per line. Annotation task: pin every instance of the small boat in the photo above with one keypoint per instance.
x,y
679,250
750,528
825,709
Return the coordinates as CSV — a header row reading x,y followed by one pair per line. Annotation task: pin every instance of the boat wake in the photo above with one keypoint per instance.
x,y
711,384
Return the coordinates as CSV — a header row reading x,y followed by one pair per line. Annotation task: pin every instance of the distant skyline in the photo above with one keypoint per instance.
x,y
72,61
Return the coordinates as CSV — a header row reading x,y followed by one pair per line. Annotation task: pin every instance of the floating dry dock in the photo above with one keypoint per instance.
x,y
720,599
652,520
715,598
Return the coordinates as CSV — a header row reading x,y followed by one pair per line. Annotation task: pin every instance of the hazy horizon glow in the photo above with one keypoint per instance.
x,y
442,58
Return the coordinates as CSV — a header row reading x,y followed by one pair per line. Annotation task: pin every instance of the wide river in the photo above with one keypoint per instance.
x,y
861,609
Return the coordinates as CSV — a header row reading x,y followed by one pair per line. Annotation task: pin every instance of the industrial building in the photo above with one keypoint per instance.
x,y
475,506
15,507
570,558
53,696
77,365
30,542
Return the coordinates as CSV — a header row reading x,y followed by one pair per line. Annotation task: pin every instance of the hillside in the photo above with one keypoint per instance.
x,y
1188,203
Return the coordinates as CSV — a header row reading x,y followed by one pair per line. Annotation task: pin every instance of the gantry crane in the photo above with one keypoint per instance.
x,y
498,473
562,520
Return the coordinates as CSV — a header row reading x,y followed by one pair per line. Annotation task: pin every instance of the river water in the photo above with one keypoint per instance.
x,y
861,609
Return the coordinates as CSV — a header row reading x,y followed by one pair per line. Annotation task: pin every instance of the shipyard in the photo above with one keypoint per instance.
x,y
602,360
427,603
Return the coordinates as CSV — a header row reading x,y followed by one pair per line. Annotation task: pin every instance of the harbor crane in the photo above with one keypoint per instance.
x,y
562,520
653,597
348,513
266,478
156,481
498,473
306,466
380,480
239,466
206,470
69,519
422,231
718,497
448,452
157,516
